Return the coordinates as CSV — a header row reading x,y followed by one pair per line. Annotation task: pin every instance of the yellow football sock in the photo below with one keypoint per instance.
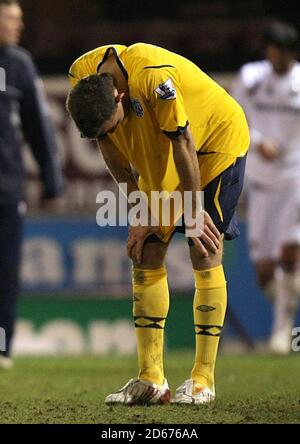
x,y
209,312
150,309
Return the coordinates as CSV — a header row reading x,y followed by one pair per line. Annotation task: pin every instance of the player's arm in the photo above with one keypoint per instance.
x,y
162,88
117,164
188,170
187,165
121,171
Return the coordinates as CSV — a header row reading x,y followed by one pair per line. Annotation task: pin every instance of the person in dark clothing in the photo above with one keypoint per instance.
x,y
23,113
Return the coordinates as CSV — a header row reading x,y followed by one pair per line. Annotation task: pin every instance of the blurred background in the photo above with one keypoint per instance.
x,y
75,275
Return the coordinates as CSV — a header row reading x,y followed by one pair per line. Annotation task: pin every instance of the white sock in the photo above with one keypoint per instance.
x,y
286,300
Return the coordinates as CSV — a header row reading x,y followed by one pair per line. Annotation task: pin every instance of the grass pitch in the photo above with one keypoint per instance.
x,y
250,389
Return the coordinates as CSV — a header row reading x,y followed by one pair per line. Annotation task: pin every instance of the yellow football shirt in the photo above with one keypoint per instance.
x,y
167,92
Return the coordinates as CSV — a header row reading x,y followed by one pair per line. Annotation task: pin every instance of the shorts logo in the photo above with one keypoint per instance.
x,y
137,107
166,90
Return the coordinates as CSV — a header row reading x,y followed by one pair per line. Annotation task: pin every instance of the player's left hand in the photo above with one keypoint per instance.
x,y
136,238
209,239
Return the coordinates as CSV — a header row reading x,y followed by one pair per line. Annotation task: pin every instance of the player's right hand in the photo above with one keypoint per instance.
x,y
268,150
136,238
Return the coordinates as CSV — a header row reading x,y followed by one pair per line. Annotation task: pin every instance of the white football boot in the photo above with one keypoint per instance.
x,y
280,341
189,393
139,392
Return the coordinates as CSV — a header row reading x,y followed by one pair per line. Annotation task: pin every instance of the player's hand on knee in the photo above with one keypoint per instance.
x,y
208,240
136,239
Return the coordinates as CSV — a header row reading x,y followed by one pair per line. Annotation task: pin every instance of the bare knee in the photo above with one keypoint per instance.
x,y
205,263
153,255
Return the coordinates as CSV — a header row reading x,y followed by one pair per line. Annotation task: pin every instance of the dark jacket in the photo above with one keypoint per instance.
x,y
23,109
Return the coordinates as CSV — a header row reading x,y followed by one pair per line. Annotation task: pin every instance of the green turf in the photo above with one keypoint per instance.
x,y
250,389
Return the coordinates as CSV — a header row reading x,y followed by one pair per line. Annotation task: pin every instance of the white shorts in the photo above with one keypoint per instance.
x,y
273,219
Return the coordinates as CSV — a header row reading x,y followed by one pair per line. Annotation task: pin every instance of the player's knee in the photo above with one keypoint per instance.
x,y
205,263
153,256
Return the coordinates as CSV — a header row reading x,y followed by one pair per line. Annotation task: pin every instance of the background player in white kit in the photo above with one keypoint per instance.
x,y
269,92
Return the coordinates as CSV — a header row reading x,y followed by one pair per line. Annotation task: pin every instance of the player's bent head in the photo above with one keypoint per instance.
x,y
92,102
283,36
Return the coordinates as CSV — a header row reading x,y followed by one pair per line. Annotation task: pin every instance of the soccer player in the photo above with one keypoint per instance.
x,y
22,107
157,112
269,91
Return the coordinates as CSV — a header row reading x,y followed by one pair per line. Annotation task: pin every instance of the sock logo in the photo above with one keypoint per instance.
x,y
138,276
205,274
205,308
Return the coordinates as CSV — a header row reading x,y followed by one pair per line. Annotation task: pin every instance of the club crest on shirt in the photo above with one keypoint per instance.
x,y
137,107
166,90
